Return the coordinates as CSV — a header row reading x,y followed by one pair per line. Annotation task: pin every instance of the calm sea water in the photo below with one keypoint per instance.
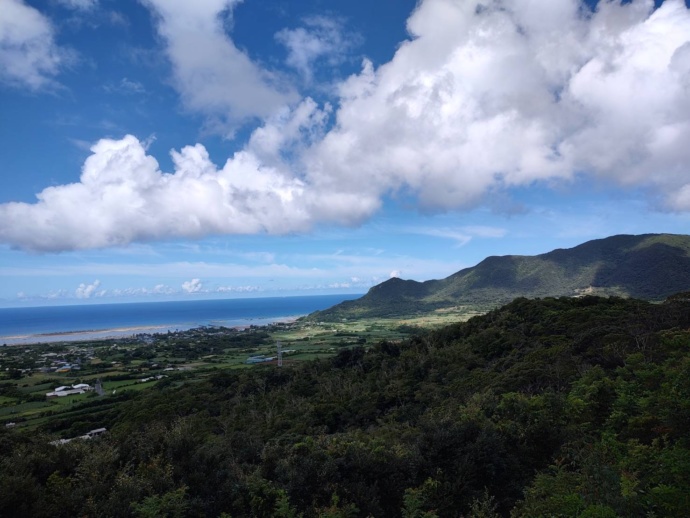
x,y
29,322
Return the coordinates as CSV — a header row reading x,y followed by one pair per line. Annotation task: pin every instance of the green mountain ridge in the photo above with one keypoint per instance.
x,y
649,266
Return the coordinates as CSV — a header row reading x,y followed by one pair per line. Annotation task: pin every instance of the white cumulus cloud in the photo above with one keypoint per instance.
x,y
193,286
490,95
123,196
29,56
86,291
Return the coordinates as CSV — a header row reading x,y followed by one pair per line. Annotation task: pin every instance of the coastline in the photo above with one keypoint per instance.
x,y
77,336
127,332
52,324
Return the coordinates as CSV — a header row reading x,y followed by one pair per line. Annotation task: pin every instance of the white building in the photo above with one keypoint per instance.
x,y
79,388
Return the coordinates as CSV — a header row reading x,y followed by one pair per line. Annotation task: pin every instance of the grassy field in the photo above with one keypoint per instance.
x,y
24,409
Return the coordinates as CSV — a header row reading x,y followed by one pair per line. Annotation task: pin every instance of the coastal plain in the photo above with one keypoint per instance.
x,y
127,364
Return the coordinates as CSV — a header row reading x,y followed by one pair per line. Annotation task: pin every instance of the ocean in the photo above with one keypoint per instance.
x,y
53,323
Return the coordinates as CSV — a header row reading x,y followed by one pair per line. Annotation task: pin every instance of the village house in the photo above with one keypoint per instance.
x,y
79,388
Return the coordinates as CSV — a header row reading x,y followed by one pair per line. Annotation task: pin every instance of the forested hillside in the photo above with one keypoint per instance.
x,y
551,407
650,267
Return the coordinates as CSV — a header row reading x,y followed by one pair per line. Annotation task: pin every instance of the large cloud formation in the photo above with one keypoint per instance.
x,y
491,95
485,96
123,197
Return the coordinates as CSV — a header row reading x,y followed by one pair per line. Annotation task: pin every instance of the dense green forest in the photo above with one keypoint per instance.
x,y
551,407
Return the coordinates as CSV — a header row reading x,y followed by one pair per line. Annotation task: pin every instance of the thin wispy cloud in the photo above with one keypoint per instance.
x,y
79,5
321,38
461,235
212,75
125,87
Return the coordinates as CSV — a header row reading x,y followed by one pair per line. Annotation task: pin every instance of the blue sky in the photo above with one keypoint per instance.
x,y
167,149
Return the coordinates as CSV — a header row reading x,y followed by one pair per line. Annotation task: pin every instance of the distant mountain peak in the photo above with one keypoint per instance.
x,y
648,266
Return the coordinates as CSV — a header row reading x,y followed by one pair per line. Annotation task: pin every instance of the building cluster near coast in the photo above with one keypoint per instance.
x,y
73,390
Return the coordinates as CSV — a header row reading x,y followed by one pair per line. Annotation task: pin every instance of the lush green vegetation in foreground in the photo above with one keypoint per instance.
x,y
554,407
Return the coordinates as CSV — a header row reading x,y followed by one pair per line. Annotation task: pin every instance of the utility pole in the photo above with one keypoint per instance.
x,y
280,354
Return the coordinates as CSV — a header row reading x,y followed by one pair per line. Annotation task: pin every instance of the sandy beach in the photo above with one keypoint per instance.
x,y
77,336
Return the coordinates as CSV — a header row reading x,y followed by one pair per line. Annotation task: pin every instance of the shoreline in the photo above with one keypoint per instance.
x,y
77,336
127,332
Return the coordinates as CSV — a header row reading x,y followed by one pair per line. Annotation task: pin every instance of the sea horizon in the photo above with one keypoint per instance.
x,y
46,324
